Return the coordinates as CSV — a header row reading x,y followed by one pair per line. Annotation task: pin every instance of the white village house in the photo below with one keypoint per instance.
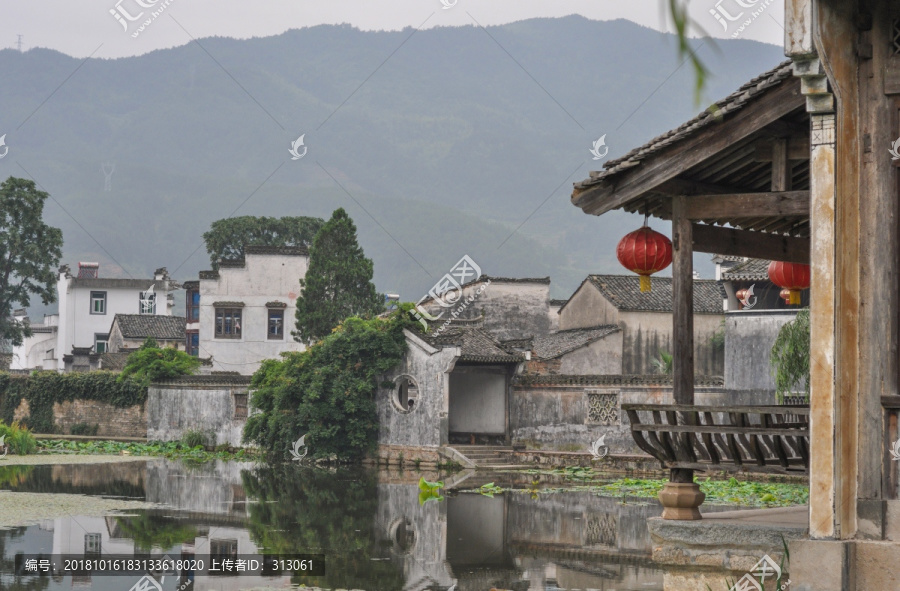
x,y
246,308
88,304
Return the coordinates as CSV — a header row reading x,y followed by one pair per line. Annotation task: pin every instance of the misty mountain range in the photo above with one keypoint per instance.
x,y
439,143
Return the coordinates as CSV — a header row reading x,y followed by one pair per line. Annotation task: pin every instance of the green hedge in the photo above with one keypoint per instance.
x,y
43,389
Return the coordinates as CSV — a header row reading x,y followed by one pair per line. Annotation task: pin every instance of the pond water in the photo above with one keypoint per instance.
x,y
370,527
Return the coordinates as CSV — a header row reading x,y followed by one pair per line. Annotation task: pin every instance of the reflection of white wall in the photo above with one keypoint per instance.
x,y
478,400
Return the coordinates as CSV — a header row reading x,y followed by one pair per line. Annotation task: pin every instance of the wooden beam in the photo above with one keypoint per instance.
x,y
748,205
681,186
669,163
798,149
744,243
682,313
781,167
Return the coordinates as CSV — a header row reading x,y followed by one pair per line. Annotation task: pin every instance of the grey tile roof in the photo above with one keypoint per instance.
x,y
111,283
476,345
624,292
612,380
141,326
114,361
297,251
558,303
749,270
730,104
565,341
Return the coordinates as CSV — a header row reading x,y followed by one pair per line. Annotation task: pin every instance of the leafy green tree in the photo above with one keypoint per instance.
x,y
790,356
327,393
227,238
29,254
150,363
338,283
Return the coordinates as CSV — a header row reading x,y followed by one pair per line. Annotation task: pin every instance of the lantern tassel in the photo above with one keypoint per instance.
x,y
645,283
794,297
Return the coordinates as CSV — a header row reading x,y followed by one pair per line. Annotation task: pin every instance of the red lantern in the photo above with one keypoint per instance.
x,y
794,277
645,251
785,294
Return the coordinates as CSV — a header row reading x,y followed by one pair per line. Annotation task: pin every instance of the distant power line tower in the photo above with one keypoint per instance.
x,y
19,43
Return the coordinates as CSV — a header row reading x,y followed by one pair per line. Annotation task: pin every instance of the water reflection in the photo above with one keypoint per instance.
x,y
370,526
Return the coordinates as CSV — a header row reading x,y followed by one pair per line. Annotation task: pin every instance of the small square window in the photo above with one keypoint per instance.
x,y
92,543
98,302
192,343
228,323
276,325
101,343
240,406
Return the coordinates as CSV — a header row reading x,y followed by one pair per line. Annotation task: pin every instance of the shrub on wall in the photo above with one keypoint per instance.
x,y
43,389
327,393
150,363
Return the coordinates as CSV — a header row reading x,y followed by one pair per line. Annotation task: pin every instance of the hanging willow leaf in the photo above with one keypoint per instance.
x,y
790,357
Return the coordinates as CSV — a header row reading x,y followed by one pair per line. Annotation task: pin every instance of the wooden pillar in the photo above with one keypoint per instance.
x,y
781,166
682,312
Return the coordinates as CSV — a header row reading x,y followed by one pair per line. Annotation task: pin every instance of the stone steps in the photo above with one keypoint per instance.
x,y
488,457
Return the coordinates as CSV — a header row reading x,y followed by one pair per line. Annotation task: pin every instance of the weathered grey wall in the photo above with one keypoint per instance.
x,y
478,400
646,333
749,336
554,416
511,309
587,308
427,424
600,357
174,408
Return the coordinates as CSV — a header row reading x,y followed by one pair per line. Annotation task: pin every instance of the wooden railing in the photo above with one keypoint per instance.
x,y
773,439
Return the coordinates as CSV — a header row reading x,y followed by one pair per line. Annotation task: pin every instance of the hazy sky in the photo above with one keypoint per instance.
x,y
84,27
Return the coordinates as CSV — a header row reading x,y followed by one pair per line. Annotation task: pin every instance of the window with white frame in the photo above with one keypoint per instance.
x,y
98,302
148,302
101,343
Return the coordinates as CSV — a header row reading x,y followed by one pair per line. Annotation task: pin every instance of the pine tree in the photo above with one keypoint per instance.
x,y
338,283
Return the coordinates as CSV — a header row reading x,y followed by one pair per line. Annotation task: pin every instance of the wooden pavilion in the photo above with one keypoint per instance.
x,y
801,165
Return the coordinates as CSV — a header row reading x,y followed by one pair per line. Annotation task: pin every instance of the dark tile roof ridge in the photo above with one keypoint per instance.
x,y
623,292
750,269
205,380
279,250
733,102
612,380
559,343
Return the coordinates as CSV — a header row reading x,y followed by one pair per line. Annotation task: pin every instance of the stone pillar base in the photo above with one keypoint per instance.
x,y
680,500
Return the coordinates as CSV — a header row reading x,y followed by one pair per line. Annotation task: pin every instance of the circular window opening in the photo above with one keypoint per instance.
x,y
403,535
406,394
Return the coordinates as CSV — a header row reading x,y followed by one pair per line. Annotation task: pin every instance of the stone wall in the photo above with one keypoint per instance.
x,y
426,425
567,413
749,336
112,421
213,404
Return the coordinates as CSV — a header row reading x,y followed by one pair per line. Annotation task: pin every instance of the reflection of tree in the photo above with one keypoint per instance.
x,y
149,530
312,511
8,566
13,476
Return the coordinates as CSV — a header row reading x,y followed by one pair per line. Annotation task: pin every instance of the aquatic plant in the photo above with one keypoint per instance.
x,y
19,439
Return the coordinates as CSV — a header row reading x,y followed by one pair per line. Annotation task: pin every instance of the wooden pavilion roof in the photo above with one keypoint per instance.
x,y
744,162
